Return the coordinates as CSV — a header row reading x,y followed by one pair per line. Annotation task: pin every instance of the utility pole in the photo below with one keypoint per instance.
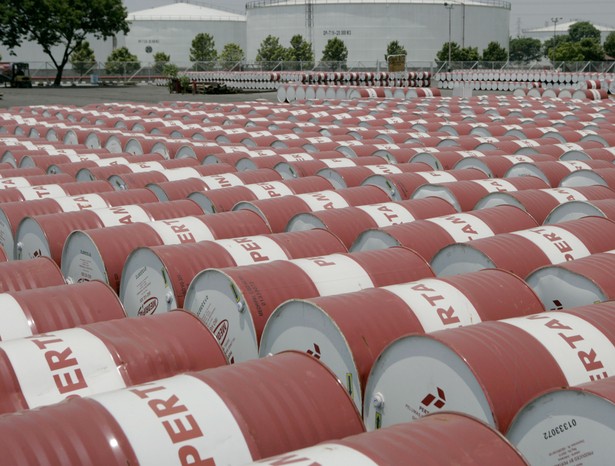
x,y
309,22
449,7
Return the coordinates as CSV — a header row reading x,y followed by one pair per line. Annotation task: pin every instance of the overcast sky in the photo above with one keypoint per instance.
x,y
525,14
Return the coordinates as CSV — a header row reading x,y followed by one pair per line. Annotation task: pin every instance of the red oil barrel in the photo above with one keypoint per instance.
x,y
236,302
575,283
44,191
278,212
490,370
429,236
223,200
35,180
103,356
403,185
464,195
590,177
333,329
155,279
573,424
99,255
354,176
523,251
25,275
540,202
348,223
41,310
555,171
128,426
442,438
573,210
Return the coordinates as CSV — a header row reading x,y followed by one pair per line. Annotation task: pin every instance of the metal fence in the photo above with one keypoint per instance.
x,y
45,72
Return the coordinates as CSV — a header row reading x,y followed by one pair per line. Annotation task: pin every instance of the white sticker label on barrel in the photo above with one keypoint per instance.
x,y
112,161
41,192
335,274
269,189
324,454
182,230
287,137
463,227
563,195
388,213
497,185
298,157
575,165
609,149
81,202
181,173
261,153
122,215
437,177
519,158
436,304
323,200
581,350
470,153
177,421
339,163
146,167
526,142
13,321
54,366
225,180
15,182
383,169
253,250
556,243
81,157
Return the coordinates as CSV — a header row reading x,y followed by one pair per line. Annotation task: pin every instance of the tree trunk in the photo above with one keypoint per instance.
x,y
58,80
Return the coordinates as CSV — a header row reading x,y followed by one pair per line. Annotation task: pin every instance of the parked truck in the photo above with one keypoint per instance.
x,y
15,74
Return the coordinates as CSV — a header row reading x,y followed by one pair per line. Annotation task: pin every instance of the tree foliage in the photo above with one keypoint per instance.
x,y
494,52
457,53
161,59
231,54
394,48
203,48
300,50
62,23
525,49
609,45
554,42
122,62
271,52
335,51
83,59
568,51
583,29
591,49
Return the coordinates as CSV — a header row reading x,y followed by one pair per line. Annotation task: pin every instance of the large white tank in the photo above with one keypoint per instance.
x,y
171,28
367,26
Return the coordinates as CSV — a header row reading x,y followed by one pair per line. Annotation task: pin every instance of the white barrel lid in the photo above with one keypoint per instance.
x,y
372,239
417,375
572,210
81,259
582,178
565,426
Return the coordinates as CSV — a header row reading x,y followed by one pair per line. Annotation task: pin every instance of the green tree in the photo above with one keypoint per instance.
x,y
231,55
609,45
583,29
203,49
62,23
270,52
494,52
525,49
591,49
161,60
554,42
300,51
394,48
122,62
335,51
83,59
568,51
457,53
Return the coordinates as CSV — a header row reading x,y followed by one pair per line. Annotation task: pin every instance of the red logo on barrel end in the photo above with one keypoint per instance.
x,y
148,307
221,331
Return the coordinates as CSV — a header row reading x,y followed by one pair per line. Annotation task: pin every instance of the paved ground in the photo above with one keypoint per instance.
x,y
81,96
